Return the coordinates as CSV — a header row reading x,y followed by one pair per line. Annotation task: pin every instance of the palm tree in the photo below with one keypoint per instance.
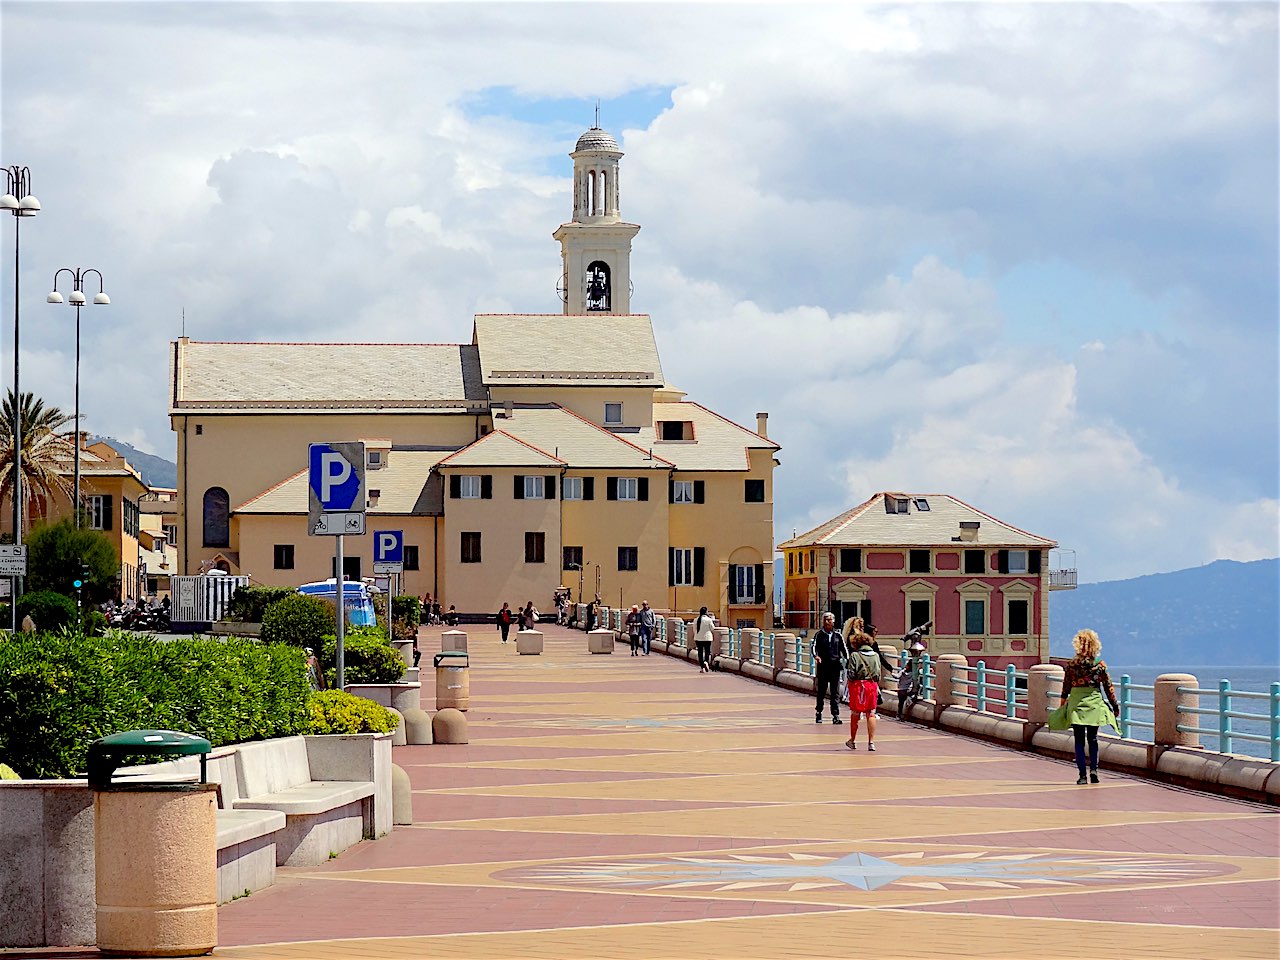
x,y
47,448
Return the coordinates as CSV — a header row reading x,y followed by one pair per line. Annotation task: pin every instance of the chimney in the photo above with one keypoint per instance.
x,y
507,407
762,425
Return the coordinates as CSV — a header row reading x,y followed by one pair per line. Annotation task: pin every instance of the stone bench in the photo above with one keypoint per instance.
x,y
529,643
600,641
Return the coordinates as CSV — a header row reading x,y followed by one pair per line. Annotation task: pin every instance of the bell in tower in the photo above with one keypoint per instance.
x,y
595,245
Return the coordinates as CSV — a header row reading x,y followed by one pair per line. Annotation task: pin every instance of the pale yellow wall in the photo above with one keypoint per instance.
x,y
313,556
601,525
586,402
246,455
502,575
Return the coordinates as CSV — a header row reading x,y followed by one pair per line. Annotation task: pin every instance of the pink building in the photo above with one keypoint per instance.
x,y
899,560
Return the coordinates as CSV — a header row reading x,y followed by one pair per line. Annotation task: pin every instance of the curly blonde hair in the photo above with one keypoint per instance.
x,y
1087,644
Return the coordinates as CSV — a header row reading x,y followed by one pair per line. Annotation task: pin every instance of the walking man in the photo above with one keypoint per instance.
x,y
828,652
504,621
647,624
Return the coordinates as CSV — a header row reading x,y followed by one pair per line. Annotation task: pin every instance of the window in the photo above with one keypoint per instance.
x,y
462,487
469,488
681,573
350,568
1017,561
919,561
199,429
571,488
411,557
572,558
217,518
283,553
791,565
628,488
628,558
1019,620
98,511
754,491
375,459
921,504
535,547
535,488
675,430
919,613
895,505
131,517
975,561
612,414
171,533
682,491
746,583
470,547
975,617
850,560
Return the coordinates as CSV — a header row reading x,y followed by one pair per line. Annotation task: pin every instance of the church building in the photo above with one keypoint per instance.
x,y
548,451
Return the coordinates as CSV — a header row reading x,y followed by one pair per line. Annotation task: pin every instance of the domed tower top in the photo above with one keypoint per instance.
x,y
597,139
595,177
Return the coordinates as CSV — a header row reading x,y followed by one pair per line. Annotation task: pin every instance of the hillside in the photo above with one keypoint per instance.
x,y
1225,613
156,471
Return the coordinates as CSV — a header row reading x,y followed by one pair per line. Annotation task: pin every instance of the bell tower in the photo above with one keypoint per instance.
x,y
595,246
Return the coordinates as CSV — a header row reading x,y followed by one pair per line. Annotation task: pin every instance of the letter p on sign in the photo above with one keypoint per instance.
x,y
334,472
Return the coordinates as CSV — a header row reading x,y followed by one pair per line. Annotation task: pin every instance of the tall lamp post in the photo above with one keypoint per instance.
x,y
18,201
77,299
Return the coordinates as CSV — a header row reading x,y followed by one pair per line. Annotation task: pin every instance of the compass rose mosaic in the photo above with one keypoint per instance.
x,y
901,869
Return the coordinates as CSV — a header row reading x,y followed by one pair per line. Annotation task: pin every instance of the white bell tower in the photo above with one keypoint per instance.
x,y
595,246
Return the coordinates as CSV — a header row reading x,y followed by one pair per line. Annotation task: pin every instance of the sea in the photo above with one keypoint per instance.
x,y
1250,679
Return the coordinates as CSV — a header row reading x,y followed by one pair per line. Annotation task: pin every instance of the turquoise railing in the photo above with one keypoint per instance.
x,y
1224,729
998,688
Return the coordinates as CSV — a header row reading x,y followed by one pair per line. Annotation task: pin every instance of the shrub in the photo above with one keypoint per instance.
x,y
298,620
334,711
367,657
94,623
379,601
59,551
249,604
59,692
406,609
49,610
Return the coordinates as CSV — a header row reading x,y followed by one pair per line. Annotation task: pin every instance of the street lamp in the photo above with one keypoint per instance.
x,y
76,299
19,202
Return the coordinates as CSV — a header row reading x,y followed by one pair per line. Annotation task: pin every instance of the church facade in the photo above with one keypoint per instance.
x,y
548,451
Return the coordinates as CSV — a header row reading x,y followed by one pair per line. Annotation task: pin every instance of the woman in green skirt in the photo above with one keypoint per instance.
x,y
1084,684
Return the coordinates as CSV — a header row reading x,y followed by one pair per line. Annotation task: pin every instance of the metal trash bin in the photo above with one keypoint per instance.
x,y
155,847
453,685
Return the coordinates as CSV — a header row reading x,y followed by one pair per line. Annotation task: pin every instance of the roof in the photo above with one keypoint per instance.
x,y
316,376
580,350
576,440
867,525
718,444
500,449
400,484
597,139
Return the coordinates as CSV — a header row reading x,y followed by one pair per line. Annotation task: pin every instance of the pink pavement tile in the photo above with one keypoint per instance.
x,y
437,808
443,778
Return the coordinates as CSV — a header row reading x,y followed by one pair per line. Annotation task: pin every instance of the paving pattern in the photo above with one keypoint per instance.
x,y
610,806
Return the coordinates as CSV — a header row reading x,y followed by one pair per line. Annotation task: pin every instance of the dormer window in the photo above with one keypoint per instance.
x,y
894,504
921,504
613,414
376,459
675,430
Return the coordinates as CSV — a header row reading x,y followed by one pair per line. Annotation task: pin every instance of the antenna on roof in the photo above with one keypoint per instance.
x,y
184,321
597,113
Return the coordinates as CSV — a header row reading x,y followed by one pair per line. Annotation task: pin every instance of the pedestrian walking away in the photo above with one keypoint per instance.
x,y
633,630
503,618
647,623
828,655
1085,682
864,690
703,629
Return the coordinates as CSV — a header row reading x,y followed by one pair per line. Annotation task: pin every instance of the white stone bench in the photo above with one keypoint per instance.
x,y
321,816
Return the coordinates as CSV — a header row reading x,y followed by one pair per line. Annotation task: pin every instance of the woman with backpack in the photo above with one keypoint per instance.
x,y
864,688
702,633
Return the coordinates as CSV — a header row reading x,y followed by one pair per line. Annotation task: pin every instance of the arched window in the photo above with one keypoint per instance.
x,y
217,518
604,191
598,286
594,193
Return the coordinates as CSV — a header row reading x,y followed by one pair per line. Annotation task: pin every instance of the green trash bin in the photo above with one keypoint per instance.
x,y
155,849
453,684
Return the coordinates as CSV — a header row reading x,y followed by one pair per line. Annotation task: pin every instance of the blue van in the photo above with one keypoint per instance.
x,y
356,598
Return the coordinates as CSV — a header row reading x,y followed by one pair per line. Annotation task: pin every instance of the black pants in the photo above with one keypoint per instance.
x,y
704,652
635,644
506,629
827,682
1090,735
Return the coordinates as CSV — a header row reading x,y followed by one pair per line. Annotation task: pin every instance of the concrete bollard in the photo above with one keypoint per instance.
x,y
401,797
405,649
1167,701
417,727
529,643
449,726
1044,681
600,641
719,638
453,640
946,694
750,643
782,659
676,633
399,737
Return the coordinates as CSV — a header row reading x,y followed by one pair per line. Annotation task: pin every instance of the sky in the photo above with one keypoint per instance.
x,y
1022,254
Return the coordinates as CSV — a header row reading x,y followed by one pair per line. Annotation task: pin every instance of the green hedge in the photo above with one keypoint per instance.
x,y
367,657
61,691
299,620
333,711
248,604
48,609
406,609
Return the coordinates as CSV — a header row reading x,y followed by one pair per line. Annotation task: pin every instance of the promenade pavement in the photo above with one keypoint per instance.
x,y
609,806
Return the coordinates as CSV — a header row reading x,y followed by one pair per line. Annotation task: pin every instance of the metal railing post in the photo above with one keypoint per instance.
x,y
926,675
1275,722
1010,691
980,696
1126,706
1224,716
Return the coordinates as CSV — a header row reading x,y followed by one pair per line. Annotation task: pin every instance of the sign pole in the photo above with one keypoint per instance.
x,y
342,609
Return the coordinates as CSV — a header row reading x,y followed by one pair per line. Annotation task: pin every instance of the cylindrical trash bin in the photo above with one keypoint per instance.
x,y
453,687
155,846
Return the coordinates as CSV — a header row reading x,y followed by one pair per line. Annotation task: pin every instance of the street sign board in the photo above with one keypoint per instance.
x,y
13,560
335,489
388,551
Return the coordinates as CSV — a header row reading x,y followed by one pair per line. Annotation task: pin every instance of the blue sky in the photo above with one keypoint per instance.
x,y
1022,254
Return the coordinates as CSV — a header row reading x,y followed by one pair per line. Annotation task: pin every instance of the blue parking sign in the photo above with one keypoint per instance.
x,y
337,475
388,546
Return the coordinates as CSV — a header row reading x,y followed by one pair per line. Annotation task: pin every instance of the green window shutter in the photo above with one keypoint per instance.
x,y
455,487
550,492
699,564
759,583
108,511
671,566
518,492
588,488
1033,561
1002,561
611,488
642,488
699,491
486,487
